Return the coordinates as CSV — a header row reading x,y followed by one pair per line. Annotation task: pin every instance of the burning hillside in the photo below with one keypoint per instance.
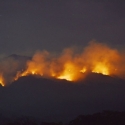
x,y
69,65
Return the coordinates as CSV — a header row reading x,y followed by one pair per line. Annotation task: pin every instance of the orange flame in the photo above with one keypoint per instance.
x,y
101,68
96,57
70,72
2,80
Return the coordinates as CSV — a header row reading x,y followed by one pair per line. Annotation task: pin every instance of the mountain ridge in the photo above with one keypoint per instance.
x,y
62,100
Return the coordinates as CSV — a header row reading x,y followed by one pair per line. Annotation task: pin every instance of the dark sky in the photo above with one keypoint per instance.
x,y
29,25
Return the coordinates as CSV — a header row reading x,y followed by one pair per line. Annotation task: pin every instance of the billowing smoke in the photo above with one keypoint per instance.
x,y
9,67
70,64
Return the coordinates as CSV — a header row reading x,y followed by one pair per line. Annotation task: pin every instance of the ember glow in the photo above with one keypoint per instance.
x,y
72,66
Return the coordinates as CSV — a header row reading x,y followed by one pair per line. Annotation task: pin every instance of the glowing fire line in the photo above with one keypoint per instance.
x,y
97,58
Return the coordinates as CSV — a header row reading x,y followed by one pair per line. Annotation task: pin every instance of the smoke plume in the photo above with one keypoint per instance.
x,y
69,64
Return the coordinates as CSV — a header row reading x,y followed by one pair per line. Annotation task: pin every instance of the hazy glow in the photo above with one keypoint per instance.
x,y
83,70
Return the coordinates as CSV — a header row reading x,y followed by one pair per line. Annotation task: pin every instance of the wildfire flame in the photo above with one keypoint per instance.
x,y
97,58
69,73
1,80
101,68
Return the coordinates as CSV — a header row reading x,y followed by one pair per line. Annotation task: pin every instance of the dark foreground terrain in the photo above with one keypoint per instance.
x,y
104,118
61,101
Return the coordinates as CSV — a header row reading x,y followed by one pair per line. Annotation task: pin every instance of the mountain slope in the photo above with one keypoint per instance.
x,y
60,100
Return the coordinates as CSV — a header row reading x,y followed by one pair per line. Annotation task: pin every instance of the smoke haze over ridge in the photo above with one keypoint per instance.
x,y
70,64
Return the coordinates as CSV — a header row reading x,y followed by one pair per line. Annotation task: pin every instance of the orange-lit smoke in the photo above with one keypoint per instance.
x,y
72,65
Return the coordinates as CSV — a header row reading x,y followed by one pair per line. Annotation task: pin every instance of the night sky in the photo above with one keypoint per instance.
x,y
30,25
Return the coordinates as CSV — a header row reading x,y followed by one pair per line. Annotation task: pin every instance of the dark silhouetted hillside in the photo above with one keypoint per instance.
x,y
60,100
104,118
